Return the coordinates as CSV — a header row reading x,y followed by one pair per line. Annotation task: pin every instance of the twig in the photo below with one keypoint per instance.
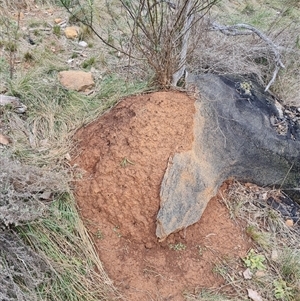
x,y
183,53
248,29
277,68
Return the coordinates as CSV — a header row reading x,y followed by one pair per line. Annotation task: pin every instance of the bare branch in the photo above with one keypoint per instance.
x,y
273,78
246,30
188,21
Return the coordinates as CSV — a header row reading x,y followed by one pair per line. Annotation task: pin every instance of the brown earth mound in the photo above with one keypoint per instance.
x,y
124,155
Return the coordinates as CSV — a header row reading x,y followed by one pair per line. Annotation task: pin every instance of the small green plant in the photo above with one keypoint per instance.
x,y
201,250
258,236
282,291
177,247
36,33
248,10
28,57
254,261
57,30
99,234
116,229
85,32
34,24
74,55
220,269
88,63
290,266
11,46
245,88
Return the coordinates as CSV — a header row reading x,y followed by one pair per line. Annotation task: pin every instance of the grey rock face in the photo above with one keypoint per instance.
x,y
234,137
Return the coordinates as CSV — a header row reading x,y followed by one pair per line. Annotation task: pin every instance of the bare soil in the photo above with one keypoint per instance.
x,y
124,155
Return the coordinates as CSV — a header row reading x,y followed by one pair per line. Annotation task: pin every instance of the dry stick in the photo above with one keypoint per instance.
x,y
234,30
190,7
186,30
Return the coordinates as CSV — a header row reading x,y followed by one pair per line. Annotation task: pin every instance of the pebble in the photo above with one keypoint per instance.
x,y
83,44
4,139
71,32
58,20
289,222
247,274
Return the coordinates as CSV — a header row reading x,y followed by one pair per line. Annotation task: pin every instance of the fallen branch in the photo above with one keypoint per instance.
x,y
235,30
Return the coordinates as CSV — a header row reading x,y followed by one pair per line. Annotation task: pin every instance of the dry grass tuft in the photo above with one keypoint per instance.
x,y
22,270
25,190
218,53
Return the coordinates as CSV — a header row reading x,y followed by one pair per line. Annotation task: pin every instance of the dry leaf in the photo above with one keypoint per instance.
x,y
253,295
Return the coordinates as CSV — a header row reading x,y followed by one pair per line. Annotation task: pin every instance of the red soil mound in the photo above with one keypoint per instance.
x,y
125,154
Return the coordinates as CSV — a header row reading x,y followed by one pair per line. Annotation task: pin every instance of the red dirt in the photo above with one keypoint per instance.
x,y
125,155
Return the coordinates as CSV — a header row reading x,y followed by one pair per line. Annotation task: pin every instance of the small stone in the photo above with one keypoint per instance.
x,y
14,102
83,44
289,222
71,32
254,295
46,195
76,80
57,20
247,274
4,139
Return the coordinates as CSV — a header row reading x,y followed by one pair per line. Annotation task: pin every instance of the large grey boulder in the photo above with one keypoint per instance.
x,y
235,136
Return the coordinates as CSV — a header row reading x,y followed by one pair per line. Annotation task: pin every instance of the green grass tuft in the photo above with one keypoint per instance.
x,y
62,239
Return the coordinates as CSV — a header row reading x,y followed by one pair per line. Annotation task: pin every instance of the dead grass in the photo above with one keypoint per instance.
x,y
275,259
61,238
218,53
25,190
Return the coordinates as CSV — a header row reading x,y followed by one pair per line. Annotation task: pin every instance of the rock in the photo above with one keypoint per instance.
x,y
46,195
57,20
233,137
254,295
71,32
15,102
76,80
289,222
247,274
83,44
4,139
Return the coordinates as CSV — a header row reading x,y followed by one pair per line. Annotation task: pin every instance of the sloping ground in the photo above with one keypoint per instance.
x,y
124,155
